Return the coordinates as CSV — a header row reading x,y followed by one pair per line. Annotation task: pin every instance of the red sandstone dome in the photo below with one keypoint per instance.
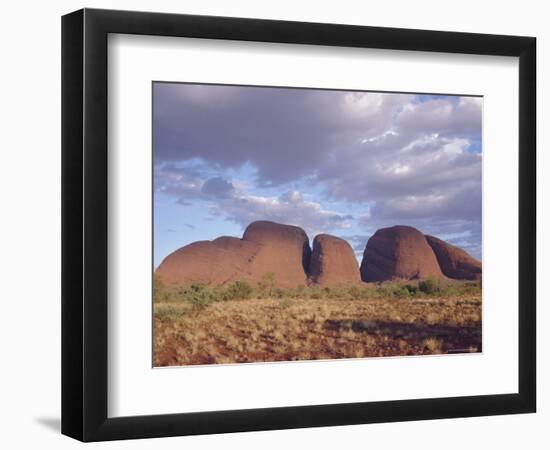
x,y
266,247
283,250
216,262
399,252
333,262
455,262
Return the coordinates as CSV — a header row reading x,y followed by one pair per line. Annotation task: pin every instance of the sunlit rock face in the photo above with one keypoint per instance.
x,y
266,248
333,262
283,251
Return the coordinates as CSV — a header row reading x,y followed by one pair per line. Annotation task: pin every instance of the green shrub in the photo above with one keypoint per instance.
x,y
279,293
458,289
411,288
400,292
169,312
429,286
286,302
199,296
160,292
314,292
355,292
239,290
299,292
267,284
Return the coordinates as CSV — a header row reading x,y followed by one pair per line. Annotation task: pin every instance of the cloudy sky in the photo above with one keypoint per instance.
x,y
339,162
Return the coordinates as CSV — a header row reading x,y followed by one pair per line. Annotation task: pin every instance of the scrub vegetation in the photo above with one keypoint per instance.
x,y
242,323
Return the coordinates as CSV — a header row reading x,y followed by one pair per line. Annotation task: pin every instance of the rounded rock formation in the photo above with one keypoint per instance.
x,y
282,250
333,262
214,263
455,262
266,247
399,252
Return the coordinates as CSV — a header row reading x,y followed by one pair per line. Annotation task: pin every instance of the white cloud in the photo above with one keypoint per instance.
x,y
232,201
404,158
290,208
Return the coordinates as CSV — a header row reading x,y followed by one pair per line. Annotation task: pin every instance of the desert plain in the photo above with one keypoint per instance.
x,y
269,297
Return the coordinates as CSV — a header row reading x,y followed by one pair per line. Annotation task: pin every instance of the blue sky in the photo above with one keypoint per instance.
x,y
339,162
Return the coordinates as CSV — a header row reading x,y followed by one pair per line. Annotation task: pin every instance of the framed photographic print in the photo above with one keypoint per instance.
x,y
273,224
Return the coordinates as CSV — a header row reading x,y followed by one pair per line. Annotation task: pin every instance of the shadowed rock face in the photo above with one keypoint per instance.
x,y
455,262
333,262
283,250
265,247
398,252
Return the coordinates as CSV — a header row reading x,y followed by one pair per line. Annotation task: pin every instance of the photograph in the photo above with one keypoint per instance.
x,y
296,224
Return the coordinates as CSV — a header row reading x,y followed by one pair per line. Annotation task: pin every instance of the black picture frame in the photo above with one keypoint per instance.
x,y
84,224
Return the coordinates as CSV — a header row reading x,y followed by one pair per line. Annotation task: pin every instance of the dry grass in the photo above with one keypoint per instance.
x,y
288,329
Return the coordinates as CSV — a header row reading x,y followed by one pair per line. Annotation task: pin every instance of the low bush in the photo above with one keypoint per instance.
x,y
286,302
170,312
429,286
411,288
266,285
200,296
457,289
239,290
160,293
